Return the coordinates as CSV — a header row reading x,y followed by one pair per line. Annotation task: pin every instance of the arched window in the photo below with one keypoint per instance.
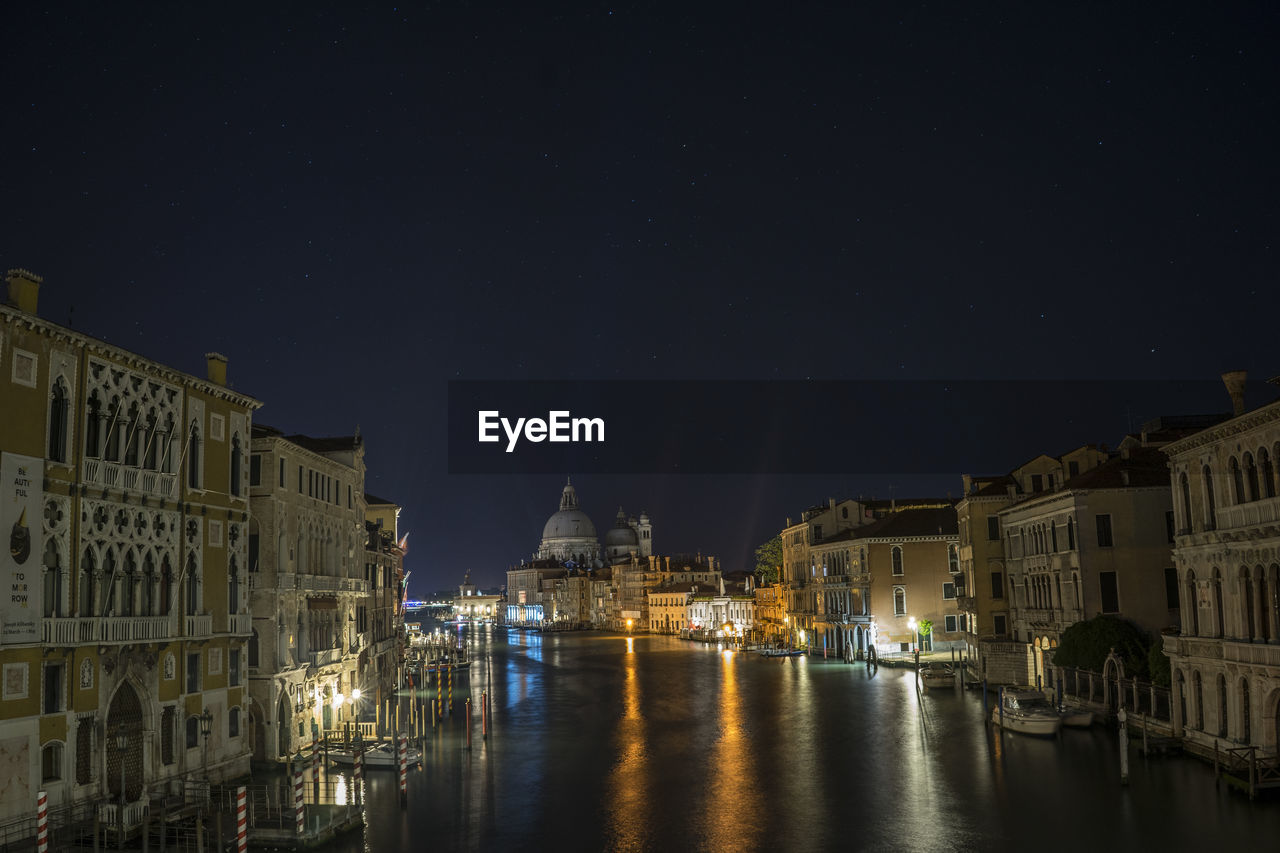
x,y
1193,604
1222,705
1184,488
150,443
899,601
1246,597
233,722
1245,733
93,427
1217,603
51,762
193,586
953,559
1071,534
88,565
896,556
1211,507
128,584
235,465
1237,480
166,585
111,433
233,586
166,451
253,649
193,457
1197,687
131,427
148,604
107,583
58,401
1251,477
52,580
1268,474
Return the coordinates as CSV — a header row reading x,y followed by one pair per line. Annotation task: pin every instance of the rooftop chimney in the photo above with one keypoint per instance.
x,y
1234,380
24,289
217,367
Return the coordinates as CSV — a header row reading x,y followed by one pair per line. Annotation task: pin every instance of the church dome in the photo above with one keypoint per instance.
x,y
569,522
621,535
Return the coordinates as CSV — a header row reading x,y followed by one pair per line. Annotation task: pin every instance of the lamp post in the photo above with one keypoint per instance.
x,y
122,747
206,728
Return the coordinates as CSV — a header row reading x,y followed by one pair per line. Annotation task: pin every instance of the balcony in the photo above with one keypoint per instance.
x,y
1253,654
76,630
240,623
328,583
325,657
1250,514
199,626
966,604
114,475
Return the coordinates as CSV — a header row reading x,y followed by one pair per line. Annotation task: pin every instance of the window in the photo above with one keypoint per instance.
x,y
1071,534
1037,483
948,590
51,762
950,624
1073,468
253,649
84,749
1168,525
233,666
1103,520
1053,537
953,559
899,601
193,732
282,460
193,458
58,422
1171,589
896,555
168,720
233,723
255,469
1237,480
999,624
299,479
236,463
53,688
997,584
1212,508
817,532
1110,595
993,528
193,673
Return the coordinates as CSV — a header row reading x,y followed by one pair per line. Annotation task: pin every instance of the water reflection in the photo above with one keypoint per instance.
x,y
627,794
733,811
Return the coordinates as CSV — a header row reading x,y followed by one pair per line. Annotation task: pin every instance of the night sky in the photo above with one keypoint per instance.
x,y
357,204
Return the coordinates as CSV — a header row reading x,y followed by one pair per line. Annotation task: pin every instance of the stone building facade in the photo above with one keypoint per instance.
x,y
1225,654
125,497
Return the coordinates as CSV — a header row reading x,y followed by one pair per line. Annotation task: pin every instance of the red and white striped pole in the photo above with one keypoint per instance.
x,y
315,763
404,770
42,822
242,820
359,770
299,812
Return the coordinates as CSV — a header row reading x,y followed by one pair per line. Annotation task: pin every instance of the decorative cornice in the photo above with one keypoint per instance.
x,y
1230,429
95,346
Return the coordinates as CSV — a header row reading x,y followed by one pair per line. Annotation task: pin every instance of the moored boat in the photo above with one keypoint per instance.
x,y
1027,712
379,755
1076,718
936,675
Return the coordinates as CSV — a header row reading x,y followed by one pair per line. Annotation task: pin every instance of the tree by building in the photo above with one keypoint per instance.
x,y
769,560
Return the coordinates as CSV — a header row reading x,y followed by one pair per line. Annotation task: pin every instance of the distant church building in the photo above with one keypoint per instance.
x,y
567,557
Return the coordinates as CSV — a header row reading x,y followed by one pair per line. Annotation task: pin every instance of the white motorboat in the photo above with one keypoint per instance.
x,y
382,755
1027,712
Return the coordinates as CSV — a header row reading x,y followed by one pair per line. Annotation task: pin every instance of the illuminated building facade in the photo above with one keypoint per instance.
x,y
311,643
126,506
1225,652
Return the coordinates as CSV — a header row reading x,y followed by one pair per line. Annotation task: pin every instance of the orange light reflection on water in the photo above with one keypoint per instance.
x,y
732,772
629,803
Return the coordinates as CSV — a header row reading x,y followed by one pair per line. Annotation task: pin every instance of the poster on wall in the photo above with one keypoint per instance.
x,y
21,495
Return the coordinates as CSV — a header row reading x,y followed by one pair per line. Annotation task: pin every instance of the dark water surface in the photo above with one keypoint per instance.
x,y
604,743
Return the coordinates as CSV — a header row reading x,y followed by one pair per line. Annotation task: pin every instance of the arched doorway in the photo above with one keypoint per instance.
x,y
125,714
284,713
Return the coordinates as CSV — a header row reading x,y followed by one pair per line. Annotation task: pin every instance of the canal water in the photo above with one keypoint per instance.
x,y
601,742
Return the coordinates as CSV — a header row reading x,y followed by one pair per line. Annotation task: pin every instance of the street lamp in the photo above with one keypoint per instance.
x,y
122,746
206,728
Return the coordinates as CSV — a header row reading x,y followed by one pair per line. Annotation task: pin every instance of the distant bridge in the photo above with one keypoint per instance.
x,y
427,605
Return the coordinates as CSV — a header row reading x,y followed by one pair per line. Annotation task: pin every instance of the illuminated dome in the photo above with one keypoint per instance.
x,y
569,533
621,539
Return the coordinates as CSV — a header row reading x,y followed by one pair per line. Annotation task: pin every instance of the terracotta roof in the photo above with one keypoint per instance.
x,y
1146,466
912,522
374,500
996,486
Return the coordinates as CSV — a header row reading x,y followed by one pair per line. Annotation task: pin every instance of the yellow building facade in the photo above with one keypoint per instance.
x,y
126,616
